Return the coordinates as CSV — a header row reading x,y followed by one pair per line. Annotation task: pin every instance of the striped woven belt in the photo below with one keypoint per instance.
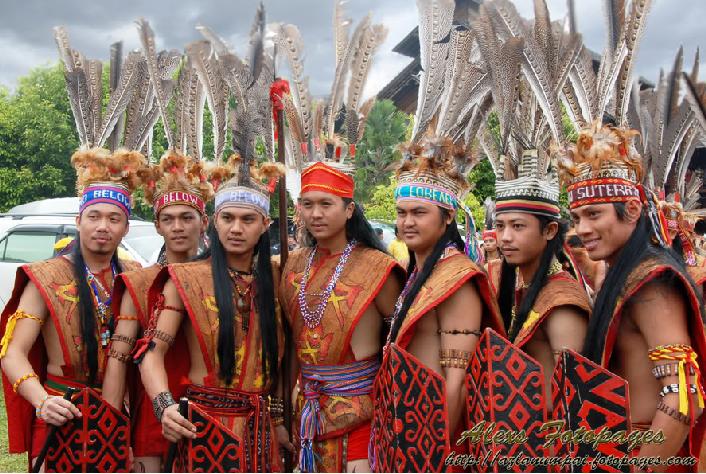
x,y
347,380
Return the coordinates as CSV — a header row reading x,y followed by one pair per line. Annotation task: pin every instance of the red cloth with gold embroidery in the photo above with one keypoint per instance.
x,y
55,281
322,177
329,343
194,282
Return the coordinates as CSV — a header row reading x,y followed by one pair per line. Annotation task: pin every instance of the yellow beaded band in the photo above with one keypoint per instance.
x,y
10,328
17,384
126,317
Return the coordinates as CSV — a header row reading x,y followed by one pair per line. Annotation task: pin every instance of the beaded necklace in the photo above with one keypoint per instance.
x,y
313,319
102,306
554,268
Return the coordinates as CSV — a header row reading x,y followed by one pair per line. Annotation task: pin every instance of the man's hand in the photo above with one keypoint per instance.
x,y
57,411
175,426
283,438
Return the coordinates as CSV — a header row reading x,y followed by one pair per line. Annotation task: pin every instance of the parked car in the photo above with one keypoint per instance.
x,y
388,230
29,232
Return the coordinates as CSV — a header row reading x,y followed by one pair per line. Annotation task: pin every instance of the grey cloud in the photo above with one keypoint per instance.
x,y
26,28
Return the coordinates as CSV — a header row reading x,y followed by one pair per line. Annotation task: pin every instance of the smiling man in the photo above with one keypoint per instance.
x,y
178,191
544,307
56,327
647,324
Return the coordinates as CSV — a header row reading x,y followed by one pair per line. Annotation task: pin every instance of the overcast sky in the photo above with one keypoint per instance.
x,y
26,38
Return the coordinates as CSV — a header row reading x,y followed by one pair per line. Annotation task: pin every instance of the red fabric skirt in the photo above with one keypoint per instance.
x,y
358,441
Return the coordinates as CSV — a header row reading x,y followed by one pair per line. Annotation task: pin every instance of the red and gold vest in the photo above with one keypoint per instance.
x,y
645,272
55,281
329,343
194,282
560,290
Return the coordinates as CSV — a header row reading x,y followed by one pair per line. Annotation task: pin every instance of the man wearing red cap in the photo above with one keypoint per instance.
x,y
178,191
490,245
336,296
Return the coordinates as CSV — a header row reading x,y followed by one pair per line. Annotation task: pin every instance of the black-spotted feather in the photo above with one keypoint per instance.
x,y
150,51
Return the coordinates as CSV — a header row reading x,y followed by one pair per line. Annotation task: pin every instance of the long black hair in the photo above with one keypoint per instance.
x,y
86,308
358,228
638,248
264,294
506,292
450,236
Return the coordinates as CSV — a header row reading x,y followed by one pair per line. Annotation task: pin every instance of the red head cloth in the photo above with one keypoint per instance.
x,y
322,177
490,234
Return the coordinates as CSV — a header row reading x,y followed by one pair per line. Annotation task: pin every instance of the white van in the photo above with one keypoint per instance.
x,y
28,234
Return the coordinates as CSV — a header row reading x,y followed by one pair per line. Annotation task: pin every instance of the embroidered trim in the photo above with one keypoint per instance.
x,y
25,377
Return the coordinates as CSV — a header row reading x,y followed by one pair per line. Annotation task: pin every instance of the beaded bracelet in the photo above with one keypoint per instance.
x,y
665,370
38,409
119,356
161,402
130,341
453,358
674,388
163,336
126,317
16,385
464,332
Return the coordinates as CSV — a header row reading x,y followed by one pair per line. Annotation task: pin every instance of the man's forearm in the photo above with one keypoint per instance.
x,y
15,366
114,383
154,374
675,433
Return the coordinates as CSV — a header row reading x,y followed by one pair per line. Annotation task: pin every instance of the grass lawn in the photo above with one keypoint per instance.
x,y
8,462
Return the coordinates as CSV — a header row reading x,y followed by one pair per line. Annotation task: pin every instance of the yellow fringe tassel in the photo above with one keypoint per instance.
x,y
686,356
10,328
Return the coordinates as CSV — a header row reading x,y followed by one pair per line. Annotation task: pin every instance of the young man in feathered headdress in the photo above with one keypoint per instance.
x,y
340,286
438,317
544,307
226,307
647,323
178,191
56,329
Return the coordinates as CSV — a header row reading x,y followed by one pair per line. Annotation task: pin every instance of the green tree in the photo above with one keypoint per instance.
x,y
37,139
386,128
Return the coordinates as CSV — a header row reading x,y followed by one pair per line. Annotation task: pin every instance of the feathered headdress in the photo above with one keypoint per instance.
x,y
453,101
102,176
242,182
529,64
326,133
